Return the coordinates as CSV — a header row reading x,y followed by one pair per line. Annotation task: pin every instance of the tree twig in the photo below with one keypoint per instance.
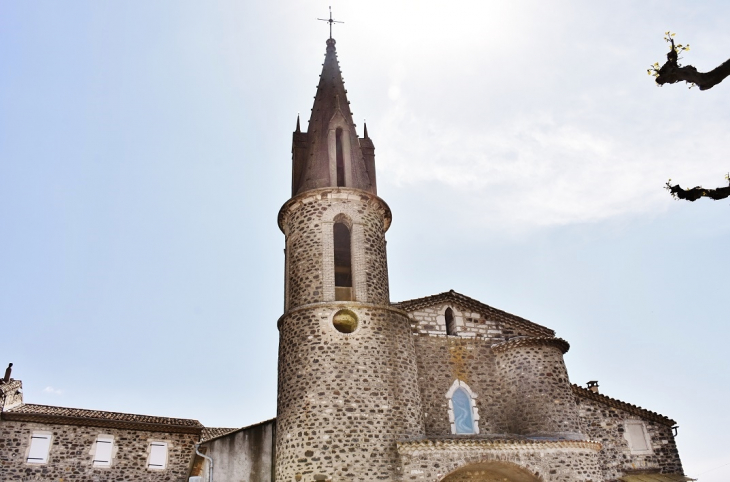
x,y
697,192
671,72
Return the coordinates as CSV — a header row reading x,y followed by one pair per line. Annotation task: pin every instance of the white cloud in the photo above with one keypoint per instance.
x,y
54,391
544,168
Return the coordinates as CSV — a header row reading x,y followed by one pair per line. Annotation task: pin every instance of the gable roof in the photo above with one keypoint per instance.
x,y
626,407
215,432
97,418
471,304
223,432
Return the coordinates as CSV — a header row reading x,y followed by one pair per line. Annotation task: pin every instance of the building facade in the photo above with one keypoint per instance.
x,y
440,388
46,443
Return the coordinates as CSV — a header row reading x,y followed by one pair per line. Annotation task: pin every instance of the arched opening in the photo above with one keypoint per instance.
x,y
450,322
343,262
340,152
491,472
463,413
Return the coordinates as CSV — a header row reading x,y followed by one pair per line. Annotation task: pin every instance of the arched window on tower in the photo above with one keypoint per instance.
x,y
463,413
450,322
340,158
343,262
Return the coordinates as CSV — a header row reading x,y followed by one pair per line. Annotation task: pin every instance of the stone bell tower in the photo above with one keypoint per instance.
x,y
347,373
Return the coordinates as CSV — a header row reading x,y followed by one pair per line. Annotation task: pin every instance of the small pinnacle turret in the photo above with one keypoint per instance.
x,y
330,154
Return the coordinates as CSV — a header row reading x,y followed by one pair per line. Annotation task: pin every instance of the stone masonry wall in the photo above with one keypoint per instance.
x,y
345,399
443,359
242,455
469,324
605,424
11,394
307,221
524,392
70,456
541,400
450,463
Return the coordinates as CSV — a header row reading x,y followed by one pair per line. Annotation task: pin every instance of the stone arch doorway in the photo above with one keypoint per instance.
x,y
491,472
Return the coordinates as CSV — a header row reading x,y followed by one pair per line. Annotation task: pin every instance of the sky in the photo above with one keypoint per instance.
x,y
145,150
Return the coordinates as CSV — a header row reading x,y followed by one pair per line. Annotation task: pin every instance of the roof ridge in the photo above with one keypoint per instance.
x,y
264,422
616,403
56,411
525,323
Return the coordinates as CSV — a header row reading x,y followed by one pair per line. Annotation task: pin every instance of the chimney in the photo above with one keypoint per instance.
x,y
593,386
8,371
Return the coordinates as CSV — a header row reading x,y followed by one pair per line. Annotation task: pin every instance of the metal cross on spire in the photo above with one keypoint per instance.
x,y
330,21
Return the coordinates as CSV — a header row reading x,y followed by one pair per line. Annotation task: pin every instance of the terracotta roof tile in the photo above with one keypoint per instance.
x,y
213,432
627,407
228,431
559,343
78,416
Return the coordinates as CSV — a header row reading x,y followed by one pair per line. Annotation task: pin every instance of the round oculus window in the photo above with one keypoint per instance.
x,y
345,321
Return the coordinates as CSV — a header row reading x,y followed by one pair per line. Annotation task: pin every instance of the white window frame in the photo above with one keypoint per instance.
x,y
103,439
474,409
151,450
43,441
647,438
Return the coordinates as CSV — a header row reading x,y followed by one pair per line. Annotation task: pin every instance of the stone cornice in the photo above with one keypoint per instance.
x,y
558,343
342,193
340,305
475,445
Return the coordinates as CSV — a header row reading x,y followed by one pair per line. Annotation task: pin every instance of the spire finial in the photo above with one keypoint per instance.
x,y
298,129
330,21
365,125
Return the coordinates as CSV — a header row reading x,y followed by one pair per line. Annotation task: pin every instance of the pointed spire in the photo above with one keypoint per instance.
x,y
365,129
298,128
333,157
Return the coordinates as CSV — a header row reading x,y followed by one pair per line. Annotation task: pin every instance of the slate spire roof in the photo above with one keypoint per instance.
x,y
312,150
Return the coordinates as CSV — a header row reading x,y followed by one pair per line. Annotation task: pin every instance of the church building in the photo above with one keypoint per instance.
x,y
442,388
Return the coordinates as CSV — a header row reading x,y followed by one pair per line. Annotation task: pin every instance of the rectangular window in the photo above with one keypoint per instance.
x,y
638,439
103,451
40,446
158,456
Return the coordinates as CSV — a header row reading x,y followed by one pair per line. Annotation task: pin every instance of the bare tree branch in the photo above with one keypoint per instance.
x,y
697,192
671,72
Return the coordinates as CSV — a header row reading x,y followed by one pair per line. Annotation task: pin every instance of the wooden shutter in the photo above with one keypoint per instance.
x,y
103,452
40,445
158,455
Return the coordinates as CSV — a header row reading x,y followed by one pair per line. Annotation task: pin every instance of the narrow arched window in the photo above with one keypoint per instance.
x,y
343,263
340,158
450,322
463,413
